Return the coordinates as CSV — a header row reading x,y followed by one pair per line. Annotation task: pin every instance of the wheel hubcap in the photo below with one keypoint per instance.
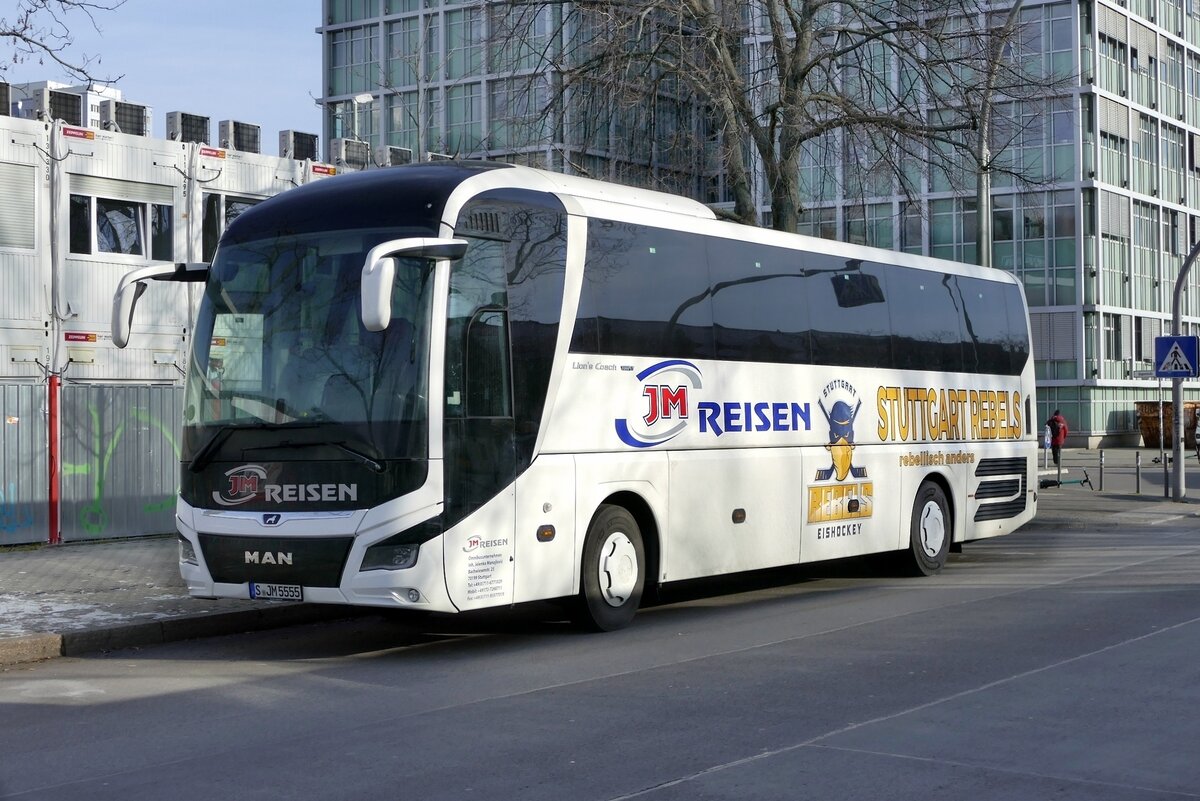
x,y
933,529
618,569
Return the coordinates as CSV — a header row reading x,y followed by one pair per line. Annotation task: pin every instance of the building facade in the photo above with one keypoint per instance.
x,y
89,433
1097,233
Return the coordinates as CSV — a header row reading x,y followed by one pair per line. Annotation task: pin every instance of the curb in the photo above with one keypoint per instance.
x,y
41,646
29,648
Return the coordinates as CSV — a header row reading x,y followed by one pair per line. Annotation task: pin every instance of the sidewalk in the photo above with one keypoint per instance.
x,y
79,598
97,596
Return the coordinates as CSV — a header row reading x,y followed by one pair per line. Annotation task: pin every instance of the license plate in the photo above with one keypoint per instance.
x,y
276,592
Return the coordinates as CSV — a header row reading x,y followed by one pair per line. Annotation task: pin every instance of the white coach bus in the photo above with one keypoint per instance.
x,y
461,385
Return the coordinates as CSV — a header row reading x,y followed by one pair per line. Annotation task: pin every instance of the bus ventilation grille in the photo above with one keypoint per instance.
x,y
1002,486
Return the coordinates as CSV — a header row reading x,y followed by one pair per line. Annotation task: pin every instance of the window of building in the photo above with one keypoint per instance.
x,y
219,212
519,35
1145,156
818,222
464,43
1114,159
463,119
352,10
952,229
353,60
404,116
1171,186
1147,292
119,227
515,113
17,205
819,159
870,224
1113,64
403,52
1064,248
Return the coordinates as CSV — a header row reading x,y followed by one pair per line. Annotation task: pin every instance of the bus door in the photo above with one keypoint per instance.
x,y
479,453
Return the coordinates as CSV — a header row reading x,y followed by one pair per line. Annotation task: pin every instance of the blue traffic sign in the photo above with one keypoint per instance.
x,y
1176,357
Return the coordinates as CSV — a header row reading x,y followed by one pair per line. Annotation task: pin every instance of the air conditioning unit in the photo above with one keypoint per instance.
x,y
124,117
184,127
298,146
66,106
350,153
48,104
392,156
242,136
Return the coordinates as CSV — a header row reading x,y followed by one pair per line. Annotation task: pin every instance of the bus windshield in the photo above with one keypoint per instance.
x,y
279,345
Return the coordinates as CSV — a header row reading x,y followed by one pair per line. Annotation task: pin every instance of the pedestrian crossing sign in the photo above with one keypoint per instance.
x,y
1176,357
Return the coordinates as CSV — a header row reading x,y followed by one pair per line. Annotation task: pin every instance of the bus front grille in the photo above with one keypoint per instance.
x,y
308,561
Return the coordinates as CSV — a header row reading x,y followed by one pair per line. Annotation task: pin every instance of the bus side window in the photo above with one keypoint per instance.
x,y
487,381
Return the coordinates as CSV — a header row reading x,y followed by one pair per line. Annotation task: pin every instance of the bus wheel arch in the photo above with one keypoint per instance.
x,y
620,550
931,527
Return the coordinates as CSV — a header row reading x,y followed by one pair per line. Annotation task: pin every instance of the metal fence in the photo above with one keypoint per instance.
x,y
24,469
120,460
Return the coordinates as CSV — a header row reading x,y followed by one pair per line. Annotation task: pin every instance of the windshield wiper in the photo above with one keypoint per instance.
x,y
374,464
213,444
210,447
359,456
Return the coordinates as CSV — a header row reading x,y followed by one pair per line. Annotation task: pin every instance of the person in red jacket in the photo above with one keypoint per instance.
x,y
1058,433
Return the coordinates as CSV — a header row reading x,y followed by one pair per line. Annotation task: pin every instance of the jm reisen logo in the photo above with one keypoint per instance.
x,y
249,481
668,388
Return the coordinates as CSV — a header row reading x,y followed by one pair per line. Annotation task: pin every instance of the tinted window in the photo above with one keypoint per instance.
x,y
993,341
758,306
847,304
925,315
645,293
81,224
476,287
530,240
162,234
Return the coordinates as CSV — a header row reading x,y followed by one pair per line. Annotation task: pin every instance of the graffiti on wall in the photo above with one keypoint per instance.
x,y
11,516
93,515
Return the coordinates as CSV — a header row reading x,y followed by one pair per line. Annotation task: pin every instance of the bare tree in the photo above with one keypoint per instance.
x,y
890,89
40,31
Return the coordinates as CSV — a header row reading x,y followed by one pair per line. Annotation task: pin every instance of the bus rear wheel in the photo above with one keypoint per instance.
x,y
930,531
613,571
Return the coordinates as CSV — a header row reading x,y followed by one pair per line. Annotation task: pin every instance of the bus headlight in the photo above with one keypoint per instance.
x,y
399,551
390,556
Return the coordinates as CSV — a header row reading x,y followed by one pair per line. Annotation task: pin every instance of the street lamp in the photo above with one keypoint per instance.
x,y
365,97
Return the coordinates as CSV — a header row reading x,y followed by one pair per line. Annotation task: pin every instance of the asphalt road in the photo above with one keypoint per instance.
x,y
1058,664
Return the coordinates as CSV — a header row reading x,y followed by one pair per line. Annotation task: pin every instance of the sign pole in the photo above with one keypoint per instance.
x,y
1178,487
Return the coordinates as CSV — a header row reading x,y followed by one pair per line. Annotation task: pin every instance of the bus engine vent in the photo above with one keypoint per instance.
x,y
485,223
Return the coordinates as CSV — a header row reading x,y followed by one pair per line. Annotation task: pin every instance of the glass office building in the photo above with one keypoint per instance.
x,y
1097,239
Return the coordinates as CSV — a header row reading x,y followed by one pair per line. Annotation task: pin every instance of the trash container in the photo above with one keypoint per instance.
x,y
1147,414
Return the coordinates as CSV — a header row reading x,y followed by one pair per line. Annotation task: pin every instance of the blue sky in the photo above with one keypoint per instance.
x,y
256,61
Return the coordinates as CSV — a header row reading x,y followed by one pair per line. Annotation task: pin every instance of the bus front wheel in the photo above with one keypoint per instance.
x,y
613,571
930,532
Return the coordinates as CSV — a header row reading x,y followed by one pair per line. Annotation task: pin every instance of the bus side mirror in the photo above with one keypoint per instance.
x,y
133,284
379,273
